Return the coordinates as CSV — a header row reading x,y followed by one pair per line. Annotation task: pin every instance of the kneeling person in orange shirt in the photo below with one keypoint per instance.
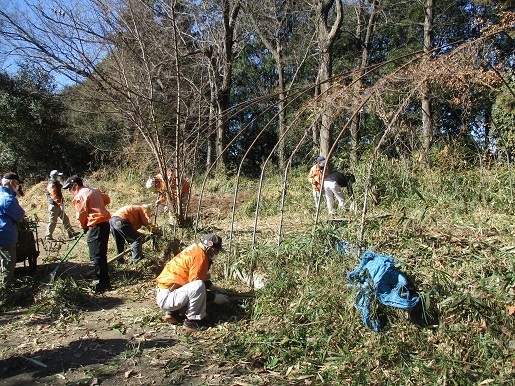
x,y
183,283
125,223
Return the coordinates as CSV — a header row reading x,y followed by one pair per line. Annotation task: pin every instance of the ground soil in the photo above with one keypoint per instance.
x,y
117,337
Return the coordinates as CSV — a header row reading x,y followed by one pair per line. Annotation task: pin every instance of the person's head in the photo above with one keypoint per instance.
x,y
55,174
148,209
74,183
213,244
320,161
12,181
151,183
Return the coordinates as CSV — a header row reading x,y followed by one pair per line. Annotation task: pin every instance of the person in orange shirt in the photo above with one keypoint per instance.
x,y
316,179
157,183
93,217
56,207
125,223
183,283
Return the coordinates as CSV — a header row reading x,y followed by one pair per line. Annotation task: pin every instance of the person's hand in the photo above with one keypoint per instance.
x,y
61,207
215,289
165,209
221,299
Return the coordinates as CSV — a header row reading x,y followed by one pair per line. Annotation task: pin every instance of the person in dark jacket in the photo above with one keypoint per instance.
x,y
10,214
333,185
54,196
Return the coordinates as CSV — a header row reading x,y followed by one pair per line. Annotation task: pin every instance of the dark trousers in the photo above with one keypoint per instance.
x,y
123,231
98,237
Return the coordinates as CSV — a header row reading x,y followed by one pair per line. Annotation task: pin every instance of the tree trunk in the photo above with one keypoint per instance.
x,y
358,85
427,118
326,36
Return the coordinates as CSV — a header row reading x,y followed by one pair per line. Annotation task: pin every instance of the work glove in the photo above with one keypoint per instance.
x,y
215,289
165,209
221,299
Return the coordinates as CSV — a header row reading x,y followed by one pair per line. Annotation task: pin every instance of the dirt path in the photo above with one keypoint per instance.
x,y
119,340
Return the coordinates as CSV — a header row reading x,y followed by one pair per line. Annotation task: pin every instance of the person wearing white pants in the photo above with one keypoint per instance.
x,y
316,178
333,187
183,284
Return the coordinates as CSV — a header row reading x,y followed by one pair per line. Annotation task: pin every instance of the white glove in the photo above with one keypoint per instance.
x,y
221,299
215,289
165,209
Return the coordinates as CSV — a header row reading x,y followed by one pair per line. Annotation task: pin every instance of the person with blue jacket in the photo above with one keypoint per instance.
x,y
10,214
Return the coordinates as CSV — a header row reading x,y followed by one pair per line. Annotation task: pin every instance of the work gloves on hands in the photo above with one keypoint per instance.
x,y
221,299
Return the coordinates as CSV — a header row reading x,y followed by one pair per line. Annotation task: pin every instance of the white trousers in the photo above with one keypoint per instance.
x,y
333,189
191,295
316,195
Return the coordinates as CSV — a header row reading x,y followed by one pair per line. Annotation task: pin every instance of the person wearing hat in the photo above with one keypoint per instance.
x,y
157,183
316,179
10,214
93,218
125,223
184,283
56,207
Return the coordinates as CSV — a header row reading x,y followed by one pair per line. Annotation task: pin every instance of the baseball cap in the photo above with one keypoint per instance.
x,y
320,159
72,180
13,176
212,240
55,172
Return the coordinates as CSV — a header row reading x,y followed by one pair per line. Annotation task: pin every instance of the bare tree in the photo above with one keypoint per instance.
x,y
129,55
329,17
427,116
279,26
365,43
217,34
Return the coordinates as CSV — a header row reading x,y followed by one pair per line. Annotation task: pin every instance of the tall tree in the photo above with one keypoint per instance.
x,y
328,19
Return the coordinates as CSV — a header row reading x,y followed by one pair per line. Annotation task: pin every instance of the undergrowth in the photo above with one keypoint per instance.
x,y
450,230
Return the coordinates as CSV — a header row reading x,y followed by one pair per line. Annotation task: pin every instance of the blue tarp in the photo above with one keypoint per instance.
x,y
376,276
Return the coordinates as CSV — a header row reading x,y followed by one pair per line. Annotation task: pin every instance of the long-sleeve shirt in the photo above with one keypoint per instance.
x,y
161,187
315,176
135,214
54,192
90,207
189,265
10,214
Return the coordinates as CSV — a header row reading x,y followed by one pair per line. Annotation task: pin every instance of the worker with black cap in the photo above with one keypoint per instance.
x,y
184,283
56,207
10,214
316,179
93,218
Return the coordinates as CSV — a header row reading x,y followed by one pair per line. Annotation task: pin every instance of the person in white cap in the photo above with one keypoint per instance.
x,y
56,207
316,179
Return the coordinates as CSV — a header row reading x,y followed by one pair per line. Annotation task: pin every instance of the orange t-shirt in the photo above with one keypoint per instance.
x,y
189,265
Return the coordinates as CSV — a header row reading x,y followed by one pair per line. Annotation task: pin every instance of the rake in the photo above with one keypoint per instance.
x,y
54,272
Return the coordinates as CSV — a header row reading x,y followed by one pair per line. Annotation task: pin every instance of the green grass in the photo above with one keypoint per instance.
x,y
451,230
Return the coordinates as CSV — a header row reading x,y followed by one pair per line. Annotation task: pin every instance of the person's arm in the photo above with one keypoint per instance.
x,y
15,211
81,209
105,198
52,190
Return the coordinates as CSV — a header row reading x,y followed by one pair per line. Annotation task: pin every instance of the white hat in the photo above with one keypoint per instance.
x,y
55,172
